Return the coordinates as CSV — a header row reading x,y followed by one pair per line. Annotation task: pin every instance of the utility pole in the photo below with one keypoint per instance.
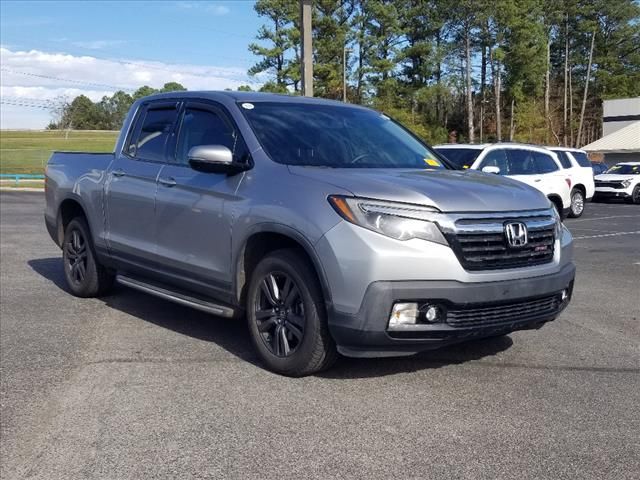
x,y
307,49
344,73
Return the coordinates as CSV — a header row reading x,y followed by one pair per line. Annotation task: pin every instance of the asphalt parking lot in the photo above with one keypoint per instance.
x,y
130,386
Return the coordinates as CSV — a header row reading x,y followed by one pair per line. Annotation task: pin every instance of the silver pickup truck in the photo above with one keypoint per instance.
x,y
329,227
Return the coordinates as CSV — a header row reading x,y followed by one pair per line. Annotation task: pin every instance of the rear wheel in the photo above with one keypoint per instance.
x,y
286,316
577,204
84,275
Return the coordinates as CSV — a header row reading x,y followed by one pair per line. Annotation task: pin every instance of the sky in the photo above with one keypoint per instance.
x,y
50,49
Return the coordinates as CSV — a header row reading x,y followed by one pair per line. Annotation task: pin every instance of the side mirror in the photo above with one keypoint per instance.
x,y
213,159
491,169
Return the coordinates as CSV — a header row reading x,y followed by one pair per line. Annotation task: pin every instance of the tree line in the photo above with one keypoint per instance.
x,y
479,70
471,70
107,114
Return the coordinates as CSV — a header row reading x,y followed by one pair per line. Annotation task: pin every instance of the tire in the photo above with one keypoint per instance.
x,y
286,316
558,208
84,275
635,196
577,204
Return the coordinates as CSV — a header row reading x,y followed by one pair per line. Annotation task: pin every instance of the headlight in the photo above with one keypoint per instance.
x,y
558,223
395,220
626,183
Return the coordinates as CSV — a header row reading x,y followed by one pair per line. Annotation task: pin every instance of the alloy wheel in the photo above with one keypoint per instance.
x,y
279,314
76,256
577,203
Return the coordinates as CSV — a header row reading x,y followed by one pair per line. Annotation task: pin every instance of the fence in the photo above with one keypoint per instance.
x,y
16,177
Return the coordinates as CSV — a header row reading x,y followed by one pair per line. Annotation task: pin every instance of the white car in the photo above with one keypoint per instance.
x,y
577,165
535,166
620,181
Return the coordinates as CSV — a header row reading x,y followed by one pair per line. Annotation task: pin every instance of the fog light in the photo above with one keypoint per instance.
x,y
432,313
403,314
564,295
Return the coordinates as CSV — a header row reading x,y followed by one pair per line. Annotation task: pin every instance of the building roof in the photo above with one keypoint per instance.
x,y
625,140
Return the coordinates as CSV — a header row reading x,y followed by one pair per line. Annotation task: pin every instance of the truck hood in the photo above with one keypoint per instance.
x,y
447,190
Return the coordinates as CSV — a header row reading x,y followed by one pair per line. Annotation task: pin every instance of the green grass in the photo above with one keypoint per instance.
x,y
28,151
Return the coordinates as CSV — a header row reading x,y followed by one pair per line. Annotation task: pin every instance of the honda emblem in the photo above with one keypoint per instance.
x,y
516,234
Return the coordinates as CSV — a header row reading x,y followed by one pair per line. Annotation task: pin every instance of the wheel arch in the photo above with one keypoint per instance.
x,y
582,188
557,201
70,208
266,238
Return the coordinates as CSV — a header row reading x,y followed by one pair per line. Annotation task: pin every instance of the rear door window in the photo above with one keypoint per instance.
x,y
521,162
153,130
544,162
581,158
564,159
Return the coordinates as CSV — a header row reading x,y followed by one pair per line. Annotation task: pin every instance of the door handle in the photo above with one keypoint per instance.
x,y
119,173
538,180
167,182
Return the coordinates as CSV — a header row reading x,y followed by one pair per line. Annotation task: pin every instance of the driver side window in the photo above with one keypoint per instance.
x,y
206,127
495,158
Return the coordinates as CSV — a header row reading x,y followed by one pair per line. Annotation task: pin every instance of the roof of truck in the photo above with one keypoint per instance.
x,y
249,97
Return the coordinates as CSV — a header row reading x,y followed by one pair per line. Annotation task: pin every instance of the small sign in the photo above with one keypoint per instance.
x,y
431,162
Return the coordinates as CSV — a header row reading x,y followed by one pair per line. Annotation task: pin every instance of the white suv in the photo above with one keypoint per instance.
x,y
620,181
535,166
577,165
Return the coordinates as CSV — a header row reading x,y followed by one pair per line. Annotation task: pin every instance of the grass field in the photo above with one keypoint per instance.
x,y
28,151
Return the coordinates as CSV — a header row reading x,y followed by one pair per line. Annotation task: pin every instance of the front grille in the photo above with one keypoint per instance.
x,y
609,184
480,244
474,316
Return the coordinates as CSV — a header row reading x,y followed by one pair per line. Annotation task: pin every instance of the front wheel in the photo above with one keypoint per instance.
x,y
82,271
635,196
577,204
286,316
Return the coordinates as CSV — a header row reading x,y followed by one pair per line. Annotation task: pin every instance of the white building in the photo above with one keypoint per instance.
x,y
619,113
620,140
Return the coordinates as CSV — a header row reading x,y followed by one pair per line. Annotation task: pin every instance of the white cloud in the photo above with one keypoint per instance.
x,y
210,7
42,75
99,44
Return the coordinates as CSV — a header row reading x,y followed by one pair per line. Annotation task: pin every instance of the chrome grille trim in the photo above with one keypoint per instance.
x,y
479,242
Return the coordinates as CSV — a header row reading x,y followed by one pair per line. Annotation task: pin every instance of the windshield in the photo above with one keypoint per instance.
x,y
625,169
461,158
335,136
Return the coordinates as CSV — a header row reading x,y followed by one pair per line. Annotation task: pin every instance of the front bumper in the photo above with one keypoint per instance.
x,y
613,193
365,333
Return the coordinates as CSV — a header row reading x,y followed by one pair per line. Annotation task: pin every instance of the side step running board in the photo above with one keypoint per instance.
x,y
180,298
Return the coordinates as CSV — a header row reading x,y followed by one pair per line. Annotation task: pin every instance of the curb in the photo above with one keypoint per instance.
x,y
21,189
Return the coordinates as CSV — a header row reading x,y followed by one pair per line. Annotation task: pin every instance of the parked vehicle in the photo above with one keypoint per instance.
x,y
620,181
577,165
598,168
535,166
328,226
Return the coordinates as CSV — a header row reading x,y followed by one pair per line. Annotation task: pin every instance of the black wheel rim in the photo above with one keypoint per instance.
x,y
279,314
76,257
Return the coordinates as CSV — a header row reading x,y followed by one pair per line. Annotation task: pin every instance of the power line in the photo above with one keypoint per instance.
x,y
19,104
79,82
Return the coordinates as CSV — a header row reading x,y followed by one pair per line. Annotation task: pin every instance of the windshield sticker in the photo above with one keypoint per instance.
x,y
432,162
248,106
